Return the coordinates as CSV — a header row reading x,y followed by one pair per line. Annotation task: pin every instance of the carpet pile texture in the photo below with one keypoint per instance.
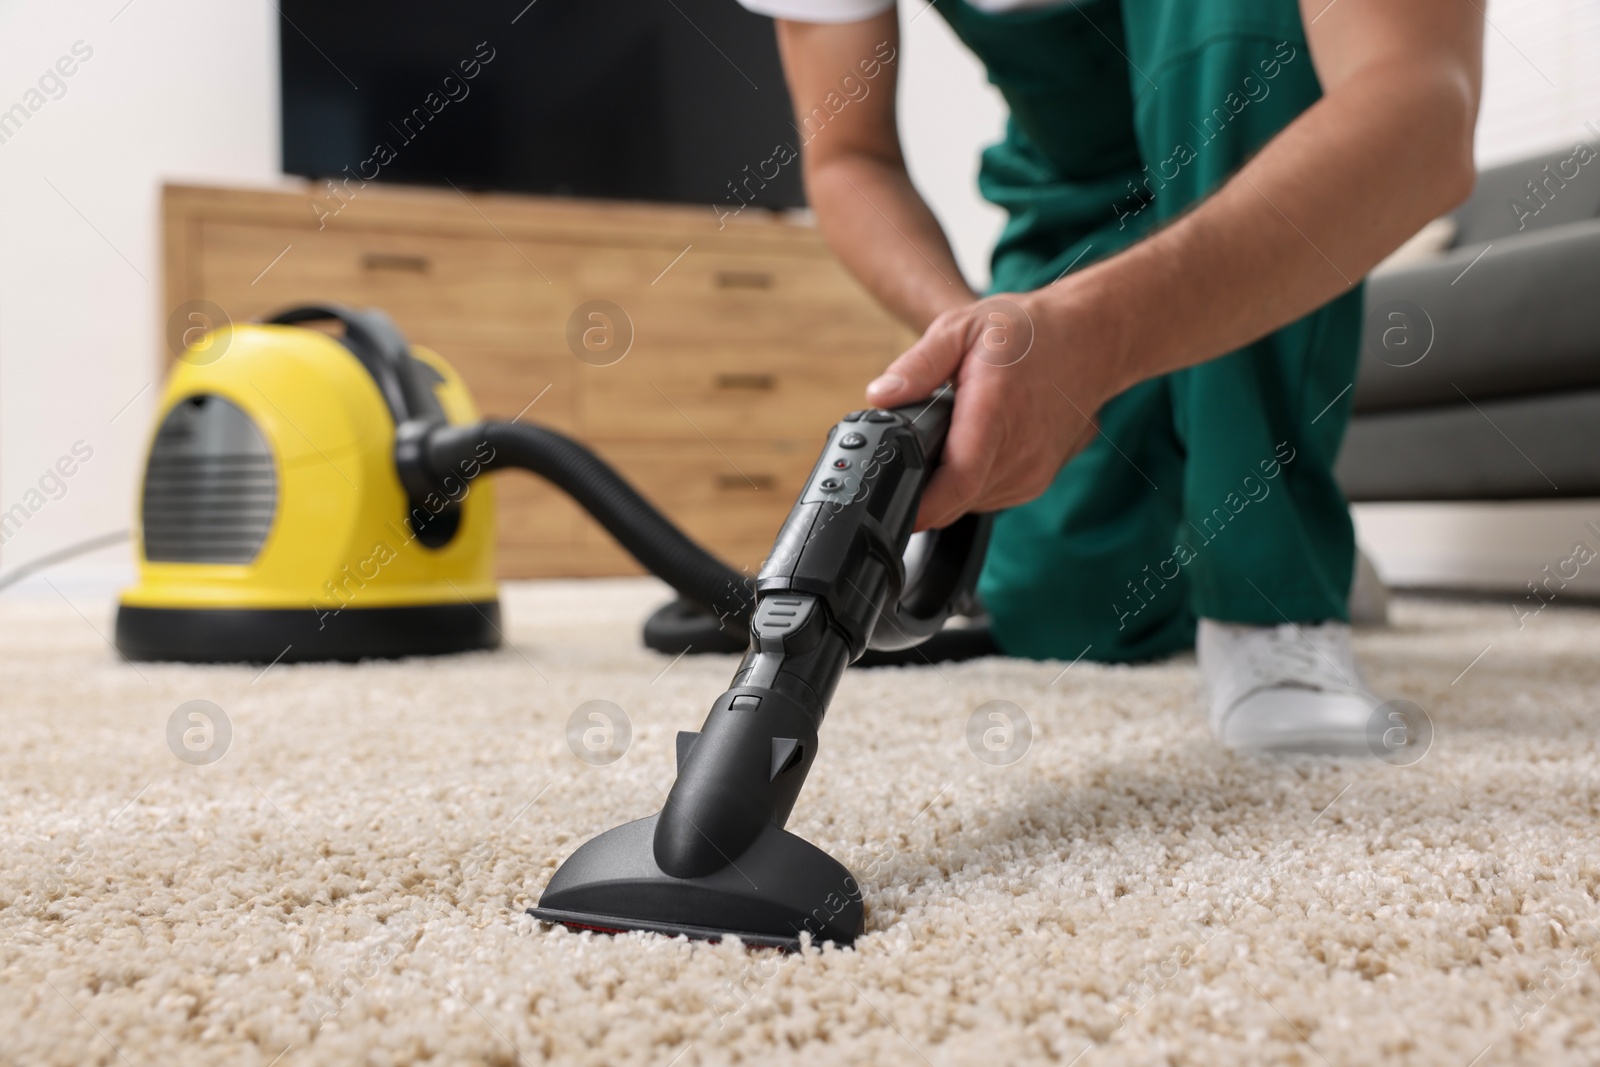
x,y
346,883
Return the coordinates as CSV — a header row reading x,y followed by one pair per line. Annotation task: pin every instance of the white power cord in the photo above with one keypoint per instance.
x,y
50,559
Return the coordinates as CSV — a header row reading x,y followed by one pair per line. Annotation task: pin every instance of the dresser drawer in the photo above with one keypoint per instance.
x,y
797,303
441,290
752,393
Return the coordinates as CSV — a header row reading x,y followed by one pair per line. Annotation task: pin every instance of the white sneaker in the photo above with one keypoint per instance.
x,y
1287,688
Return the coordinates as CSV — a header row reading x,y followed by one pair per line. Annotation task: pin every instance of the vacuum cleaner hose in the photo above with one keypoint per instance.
x,y
651,538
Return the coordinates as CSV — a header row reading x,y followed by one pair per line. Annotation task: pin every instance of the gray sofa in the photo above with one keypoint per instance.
x,y
1480,370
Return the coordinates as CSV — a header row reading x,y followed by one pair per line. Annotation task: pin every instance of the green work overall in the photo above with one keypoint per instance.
x,y
1210,491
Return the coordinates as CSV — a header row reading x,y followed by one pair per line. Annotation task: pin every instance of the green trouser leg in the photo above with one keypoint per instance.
x,y
1272,537
1209,493
1063,570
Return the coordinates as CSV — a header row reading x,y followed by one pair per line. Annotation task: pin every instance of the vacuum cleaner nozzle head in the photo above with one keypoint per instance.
x,y
780,888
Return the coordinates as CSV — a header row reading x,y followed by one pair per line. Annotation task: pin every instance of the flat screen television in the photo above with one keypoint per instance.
x,y
657,100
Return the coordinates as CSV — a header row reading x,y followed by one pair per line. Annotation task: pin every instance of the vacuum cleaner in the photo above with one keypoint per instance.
x,y
312,496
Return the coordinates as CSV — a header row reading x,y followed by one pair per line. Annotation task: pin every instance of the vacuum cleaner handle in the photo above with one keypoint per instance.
x,y
847,537
835,582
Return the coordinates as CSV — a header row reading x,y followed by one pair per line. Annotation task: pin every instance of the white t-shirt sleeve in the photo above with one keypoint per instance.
x,y
819,10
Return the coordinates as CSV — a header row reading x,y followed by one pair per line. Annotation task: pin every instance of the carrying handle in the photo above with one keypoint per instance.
x,y
403,381
374,339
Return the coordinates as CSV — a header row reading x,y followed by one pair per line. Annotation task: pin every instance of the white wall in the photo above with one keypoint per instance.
x,y
1542,76
948,113
180,89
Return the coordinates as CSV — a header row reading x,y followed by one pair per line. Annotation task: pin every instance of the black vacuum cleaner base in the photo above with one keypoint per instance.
x,y
779,888
302,635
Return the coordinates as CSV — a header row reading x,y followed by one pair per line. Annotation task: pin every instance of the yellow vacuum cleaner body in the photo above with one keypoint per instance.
x,y
273,524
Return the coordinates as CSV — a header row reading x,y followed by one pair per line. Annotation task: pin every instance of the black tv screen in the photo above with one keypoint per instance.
x,y
663,100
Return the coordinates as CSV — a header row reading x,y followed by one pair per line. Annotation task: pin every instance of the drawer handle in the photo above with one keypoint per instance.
x,y
390,261
760,382
744,279
761,483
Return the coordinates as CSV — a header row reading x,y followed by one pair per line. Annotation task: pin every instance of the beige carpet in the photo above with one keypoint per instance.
x,y
346,884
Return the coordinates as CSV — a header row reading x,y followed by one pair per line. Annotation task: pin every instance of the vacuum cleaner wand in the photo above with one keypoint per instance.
x,y
716,861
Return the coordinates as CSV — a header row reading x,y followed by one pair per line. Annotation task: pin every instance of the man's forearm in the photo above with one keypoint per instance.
x,y
1300,224
879,226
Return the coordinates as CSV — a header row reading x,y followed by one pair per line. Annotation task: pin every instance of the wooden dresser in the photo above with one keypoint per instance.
x,y
706,363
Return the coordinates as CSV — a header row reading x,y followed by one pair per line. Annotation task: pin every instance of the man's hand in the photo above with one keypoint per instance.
x,y
1030,374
